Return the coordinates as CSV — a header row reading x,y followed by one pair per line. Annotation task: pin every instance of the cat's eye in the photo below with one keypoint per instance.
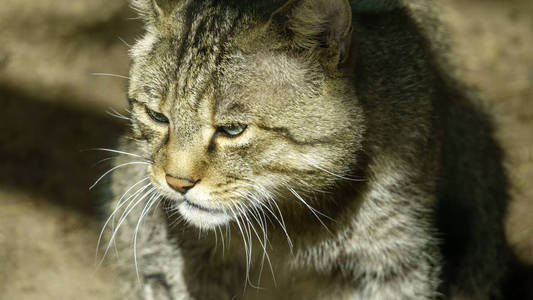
x,y
232,130
156,116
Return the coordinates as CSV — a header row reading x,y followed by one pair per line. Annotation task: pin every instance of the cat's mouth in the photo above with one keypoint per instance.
x,y
200,207
202,216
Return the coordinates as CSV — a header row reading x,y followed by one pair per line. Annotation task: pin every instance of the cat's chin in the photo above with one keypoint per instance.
x,y
202,217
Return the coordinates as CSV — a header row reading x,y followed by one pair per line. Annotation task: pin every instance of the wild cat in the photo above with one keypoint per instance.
x,y
303,149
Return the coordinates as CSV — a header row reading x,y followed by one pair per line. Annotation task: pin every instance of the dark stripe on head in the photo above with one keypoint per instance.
x,y
286,171
207,49
189,19
287,134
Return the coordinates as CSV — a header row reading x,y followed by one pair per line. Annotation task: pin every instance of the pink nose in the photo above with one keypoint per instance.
x,y
181,185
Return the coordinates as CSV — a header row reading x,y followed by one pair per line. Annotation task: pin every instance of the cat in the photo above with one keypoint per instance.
x,y
303,149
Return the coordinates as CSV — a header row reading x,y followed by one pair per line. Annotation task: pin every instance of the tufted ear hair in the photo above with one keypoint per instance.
x,y
321,26
157,13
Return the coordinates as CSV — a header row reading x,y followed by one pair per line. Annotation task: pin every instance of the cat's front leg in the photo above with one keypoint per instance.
x,y
416,282
157,271
393,249
404,267
393,239
389,276
394,263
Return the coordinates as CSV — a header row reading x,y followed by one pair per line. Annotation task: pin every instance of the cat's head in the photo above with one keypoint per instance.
x,y
242,106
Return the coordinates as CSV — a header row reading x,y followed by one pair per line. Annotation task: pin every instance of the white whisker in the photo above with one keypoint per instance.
x,y
216,237
117,151
176,221
314,211
222,239
114,168
228,233
122,202
145,211
123,218
313,164
103,160
283,226
246,250
116,210
124,42
114,113
263,243
109,75
269,199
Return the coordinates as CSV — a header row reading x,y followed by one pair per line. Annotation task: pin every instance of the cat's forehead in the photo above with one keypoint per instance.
x,y
211,61
189,60
240,82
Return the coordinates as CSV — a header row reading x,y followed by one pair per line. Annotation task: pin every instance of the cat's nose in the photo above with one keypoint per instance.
x,y
180,184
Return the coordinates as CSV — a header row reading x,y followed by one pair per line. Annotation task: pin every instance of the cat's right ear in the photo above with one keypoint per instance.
x,y
158,14
322,27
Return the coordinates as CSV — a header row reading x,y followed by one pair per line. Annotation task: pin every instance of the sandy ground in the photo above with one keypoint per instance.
x,y
52,110
494,42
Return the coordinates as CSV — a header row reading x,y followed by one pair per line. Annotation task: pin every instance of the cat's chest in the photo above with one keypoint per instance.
x,y
294,284
289,278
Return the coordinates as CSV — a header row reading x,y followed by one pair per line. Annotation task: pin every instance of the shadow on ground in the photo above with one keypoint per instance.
x,y
44,149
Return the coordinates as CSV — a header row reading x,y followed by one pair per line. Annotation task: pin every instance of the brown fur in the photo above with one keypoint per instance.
x,y
358,149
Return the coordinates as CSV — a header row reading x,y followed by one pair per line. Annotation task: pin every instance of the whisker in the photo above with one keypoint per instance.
x,y
246,250
270,200
123,218
249,221
174,212
114,113
116,210
124,42
145,211
177,220
222,239
283,226
109,75
115,230
249,228
117,151
313,164
103,160
121,202
249,236
134,196
114,168
263,244
314,211
132,203
158,202
216,237
228,233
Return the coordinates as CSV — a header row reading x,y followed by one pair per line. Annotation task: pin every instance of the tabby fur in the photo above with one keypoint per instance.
x,y
366,171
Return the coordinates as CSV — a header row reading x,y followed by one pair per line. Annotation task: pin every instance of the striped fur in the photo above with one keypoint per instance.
x,y
359,150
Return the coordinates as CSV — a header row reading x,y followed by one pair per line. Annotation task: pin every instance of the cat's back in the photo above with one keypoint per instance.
x,y
419,112
472,192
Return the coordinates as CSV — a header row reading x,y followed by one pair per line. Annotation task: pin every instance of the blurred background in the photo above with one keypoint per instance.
x,y
52,110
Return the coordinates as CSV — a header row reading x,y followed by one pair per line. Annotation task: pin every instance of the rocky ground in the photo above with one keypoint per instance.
x,y
52,110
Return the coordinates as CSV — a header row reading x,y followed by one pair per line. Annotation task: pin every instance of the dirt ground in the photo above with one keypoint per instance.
x,y
53,110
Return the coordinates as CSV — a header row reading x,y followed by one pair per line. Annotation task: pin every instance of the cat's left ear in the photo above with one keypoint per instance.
x,y
157,13
322,26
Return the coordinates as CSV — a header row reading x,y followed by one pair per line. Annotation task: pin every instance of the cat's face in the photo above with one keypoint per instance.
x,y
234,124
